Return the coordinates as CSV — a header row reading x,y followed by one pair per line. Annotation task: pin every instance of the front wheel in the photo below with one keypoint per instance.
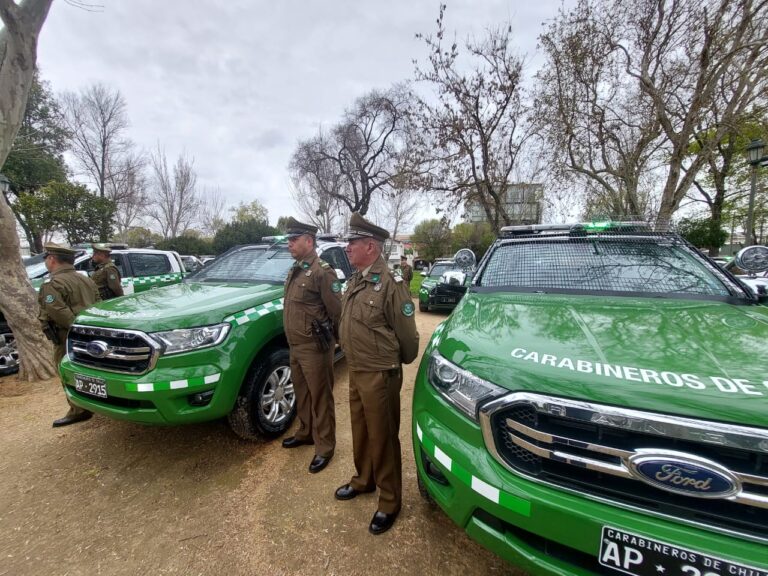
x,y
9,354
266,405
423,307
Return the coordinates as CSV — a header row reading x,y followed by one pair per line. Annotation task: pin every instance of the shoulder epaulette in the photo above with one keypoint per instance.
x,y
324,264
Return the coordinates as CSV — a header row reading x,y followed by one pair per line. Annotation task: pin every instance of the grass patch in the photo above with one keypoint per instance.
x,y
416,283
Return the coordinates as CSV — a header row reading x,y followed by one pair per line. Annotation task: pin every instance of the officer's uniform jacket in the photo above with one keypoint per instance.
x,y
106,276
312,292
407,273
63,296
378,328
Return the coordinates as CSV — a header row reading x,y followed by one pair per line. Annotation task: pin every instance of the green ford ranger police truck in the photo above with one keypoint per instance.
x,y
209,347
140,269
598,404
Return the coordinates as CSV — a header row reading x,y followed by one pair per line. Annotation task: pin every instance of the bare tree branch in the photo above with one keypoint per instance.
x,y
174,202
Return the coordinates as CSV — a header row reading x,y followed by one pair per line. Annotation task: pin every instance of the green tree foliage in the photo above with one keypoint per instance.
x,y
702,232
37,154
432,239
187,244
139,237
68,208
475,236
241,232
282,224
252,211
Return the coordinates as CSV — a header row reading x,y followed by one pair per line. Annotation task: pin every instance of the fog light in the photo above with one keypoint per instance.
x,y
201,398
432,470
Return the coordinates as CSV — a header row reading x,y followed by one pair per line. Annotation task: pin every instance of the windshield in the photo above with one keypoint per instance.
x,y
599,264
250,264
36,270
440,269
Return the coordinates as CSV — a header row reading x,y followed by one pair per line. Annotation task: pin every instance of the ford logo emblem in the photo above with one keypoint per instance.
x,y
97,349
683,474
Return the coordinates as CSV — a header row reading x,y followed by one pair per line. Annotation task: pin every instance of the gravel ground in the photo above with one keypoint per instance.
x,y
115,498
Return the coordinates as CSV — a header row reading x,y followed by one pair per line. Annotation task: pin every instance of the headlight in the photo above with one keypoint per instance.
x,y
177,341
461,388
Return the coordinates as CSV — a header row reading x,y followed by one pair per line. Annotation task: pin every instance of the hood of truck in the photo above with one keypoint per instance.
x,y
182,305
702,359
429,282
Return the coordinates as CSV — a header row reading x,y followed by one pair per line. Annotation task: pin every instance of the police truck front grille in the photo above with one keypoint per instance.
x,y
585,448
125,351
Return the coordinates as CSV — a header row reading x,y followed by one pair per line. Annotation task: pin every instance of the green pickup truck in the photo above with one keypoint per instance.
x,y
598,404
140,269
209,347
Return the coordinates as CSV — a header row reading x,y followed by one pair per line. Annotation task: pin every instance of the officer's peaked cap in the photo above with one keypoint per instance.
x,y
294,228
58,249
359,227
102,247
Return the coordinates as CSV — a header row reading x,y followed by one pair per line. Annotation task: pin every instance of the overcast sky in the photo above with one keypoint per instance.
x,y
237,84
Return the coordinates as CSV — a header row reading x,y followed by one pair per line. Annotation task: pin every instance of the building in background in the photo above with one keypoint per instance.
x,y
524,203
399,246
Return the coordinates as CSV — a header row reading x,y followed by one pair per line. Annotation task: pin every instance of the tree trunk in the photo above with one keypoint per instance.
x,y
18,54
19,305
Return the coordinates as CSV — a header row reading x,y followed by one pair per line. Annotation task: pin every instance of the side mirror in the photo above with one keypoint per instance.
x,y
423,272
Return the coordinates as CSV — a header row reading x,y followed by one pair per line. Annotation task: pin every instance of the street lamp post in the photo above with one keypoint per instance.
x,y
755,158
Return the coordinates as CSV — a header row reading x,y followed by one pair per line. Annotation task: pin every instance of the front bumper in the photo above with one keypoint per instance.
x,y
164,395
439,301
537,527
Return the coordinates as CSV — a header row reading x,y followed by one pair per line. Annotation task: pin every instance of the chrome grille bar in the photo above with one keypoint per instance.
x,y
587,418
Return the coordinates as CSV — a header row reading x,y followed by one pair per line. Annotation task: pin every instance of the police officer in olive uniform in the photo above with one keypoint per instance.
x,y
378,334
62,296
405,270
105,275
311,310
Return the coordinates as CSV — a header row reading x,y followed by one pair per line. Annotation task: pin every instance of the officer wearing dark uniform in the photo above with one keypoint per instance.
x,y
311,310
62,296
105,275
405,270
378,334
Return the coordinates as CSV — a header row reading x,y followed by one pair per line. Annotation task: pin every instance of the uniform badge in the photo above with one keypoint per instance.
x,y
336,286
377,287
111,276
305,265
50,298
407,308
308,273
375,277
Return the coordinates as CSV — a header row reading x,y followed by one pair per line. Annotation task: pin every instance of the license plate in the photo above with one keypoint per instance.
x,y
448,300
91,386
640,556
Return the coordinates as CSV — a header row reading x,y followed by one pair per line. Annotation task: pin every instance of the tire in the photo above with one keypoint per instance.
x,y
266,405
9,354
423,307
423,492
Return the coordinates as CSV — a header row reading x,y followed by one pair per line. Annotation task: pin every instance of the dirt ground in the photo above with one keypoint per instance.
x,y
115,498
